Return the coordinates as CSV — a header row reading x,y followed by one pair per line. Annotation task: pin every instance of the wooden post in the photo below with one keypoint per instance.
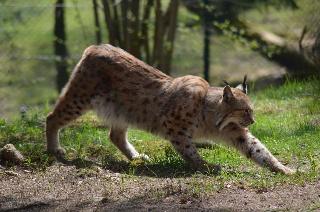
x,y
206,42
97,27
60,48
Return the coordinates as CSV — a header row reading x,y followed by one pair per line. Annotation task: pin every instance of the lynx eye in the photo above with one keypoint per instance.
x,y
247,111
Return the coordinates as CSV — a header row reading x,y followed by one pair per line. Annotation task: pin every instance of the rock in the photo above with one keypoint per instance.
x,y
11,155
12,173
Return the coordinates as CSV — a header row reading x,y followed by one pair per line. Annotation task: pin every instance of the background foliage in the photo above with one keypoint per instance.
x,y
27,71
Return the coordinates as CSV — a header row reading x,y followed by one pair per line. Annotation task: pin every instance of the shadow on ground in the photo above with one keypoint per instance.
x,y
140,168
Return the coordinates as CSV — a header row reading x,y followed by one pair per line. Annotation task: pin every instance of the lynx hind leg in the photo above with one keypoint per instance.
x,y
118,136
68,108
252,148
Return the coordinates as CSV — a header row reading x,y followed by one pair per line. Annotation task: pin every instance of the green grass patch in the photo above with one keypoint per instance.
x,y
288,123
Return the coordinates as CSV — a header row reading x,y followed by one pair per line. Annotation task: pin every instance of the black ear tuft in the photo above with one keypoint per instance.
x,y
244,85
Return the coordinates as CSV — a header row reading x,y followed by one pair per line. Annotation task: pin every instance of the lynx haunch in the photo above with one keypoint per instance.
x,y
125,91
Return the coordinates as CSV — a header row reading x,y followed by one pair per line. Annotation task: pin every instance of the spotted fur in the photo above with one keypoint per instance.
x,y
125,92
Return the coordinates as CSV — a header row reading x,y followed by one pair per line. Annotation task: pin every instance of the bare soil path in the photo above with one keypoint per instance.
x,y
63,188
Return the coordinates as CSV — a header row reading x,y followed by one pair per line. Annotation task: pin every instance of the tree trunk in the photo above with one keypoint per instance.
x,y
134,29
158,35
116,20
145,30
124,14
206,44
109,22
128,26
97,27
60,48
169,43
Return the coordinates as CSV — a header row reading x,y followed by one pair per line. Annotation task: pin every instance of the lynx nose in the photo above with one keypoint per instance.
x,y
252,121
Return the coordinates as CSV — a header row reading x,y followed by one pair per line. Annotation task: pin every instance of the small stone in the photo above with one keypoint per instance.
x,y
11,173
10,154
98,199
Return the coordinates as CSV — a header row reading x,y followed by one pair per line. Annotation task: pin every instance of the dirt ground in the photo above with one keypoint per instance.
x,y
63,188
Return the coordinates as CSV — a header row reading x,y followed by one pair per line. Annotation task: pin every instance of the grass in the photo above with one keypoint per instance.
x,y
288,123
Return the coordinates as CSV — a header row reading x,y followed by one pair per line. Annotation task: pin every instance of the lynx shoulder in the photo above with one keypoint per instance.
x,y
125,91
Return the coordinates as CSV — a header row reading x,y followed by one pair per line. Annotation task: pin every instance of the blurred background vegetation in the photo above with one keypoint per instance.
x,y
41,41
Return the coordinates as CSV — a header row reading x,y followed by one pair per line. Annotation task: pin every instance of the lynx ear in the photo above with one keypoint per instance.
x,y
227,93
243,87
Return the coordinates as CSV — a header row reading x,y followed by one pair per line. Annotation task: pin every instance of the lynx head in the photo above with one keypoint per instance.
x,y
235,106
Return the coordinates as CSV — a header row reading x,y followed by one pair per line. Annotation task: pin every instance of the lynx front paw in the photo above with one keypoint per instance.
x,y
57,152
288,171
143,157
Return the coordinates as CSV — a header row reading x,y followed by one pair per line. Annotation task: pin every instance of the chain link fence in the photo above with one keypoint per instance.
x,y
27,69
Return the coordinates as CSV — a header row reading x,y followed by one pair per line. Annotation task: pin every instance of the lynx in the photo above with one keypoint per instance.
x,y
125,91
